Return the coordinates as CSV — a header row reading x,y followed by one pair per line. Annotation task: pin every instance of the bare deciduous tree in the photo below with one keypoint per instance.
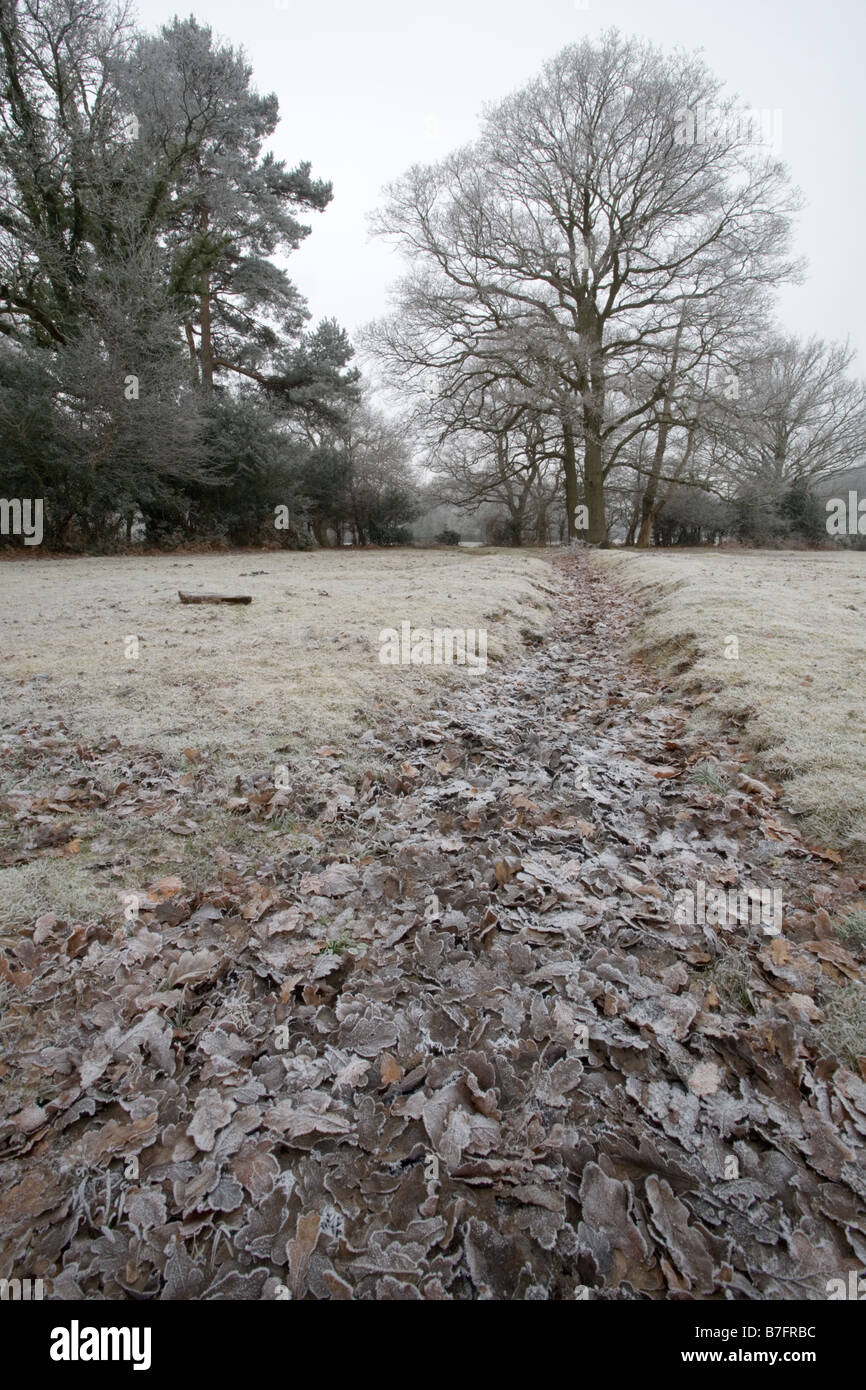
x,y
573,231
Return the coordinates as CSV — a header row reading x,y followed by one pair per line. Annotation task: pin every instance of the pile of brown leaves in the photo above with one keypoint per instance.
x,y
465,1051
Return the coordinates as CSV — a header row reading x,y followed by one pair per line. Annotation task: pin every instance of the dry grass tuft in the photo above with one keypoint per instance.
x,y
844,1032
55,885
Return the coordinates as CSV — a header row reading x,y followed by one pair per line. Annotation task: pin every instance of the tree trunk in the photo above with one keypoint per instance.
x,y
193,354
593,426
593,484
649,504
569,464
206,350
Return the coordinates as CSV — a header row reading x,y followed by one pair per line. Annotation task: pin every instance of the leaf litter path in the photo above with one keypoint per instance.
x,y
466,1051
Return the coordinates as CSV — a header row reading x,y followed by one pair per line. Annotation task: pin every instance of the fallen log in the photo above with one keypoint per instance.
x,y
213,598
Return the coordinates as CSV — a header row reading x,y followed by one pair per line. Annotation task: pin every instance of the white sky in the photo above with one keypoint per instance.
x,y
368,87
